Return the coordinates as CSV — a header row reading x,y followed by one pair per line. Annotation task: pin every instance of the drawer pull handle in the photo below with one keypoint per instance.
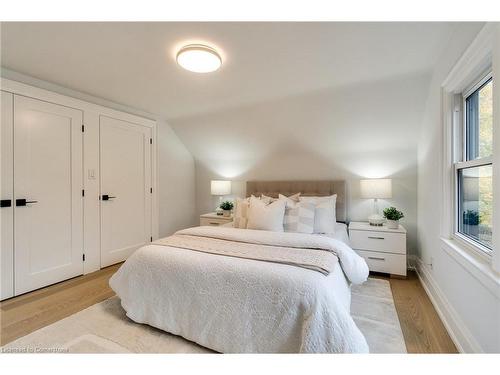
x,y
376,238
376,258
212,223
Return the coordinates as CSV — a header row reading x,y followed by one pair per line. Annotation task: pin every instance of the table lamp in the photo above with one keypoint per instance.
x,y
220,188
377,188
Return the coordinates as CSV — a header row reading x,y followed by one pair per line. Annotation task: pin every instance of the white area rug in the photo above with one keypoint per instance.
x,y
104,328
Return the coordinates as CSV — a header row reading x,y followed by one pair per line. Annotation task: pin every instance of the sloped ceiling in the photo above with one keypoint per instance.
x,y
134,63
291,101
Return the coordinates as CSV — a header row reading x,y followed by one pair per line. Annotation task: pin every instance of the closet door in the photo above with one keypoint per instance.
x,y
125,170
48,217
6,196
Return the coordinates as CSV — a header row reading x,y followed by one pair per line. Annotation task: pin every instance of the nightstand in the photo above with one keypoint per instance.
x,y
213,219
383,249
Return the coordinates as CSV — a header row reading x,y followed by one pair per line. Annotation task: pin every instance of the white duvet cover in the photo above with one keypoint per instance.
x,y
237,305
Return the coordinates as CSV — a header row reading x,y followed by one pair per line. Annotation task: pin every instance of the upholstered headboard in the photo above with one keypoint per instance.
x,y
306,188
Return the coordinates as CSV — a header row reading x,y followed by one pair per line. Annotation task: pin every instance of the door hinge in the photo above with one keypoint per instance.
x,y
83,128
150,141
83,192
83,257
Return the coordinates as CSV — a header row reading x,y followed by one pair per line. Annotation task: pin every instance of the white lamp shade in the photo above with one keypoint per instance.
x,y
219,187
376,188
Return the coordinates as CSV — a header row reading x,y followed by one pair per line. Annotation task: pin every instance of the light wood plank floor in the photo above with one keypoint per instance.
x,y
422,329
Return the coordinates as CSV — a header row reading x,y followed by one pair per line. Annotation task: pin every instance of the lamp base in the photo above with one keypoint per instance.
x,y
376,220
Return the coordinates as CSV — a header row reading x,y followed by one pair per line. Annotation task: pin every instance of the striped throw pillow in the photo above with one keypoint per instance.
x,y
324,215
299,216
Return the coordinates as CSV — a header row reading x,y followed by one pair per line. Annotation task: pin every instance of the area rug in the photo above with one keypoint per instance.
x,y
104,328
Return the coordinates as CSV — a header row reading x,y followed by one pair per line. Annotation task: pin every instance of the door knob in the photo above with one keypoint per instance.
x,y
106,197
5,203
24,202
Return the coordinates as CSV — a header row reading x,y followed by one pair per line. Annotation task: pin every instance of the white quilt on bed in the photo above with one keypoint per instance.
x,y
235,305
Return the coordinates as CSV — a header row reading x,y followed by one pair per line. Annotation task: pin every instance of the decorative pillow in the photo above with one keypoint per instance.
x,y
324,213
266,217
294,197
299,216
266,199
240,215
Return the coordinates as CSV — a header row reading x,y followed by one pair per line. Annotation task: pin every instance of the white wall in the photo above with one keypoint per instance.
x,y
177,182
468,305
367,130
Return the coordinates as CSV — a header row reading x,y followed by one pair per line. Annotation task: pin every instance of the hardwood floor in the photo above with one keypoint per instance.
x,y
31,311
422,329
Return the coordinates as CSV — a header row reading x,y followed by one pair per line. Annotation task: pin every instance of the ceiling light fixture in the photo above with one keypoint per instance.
x,y
199,58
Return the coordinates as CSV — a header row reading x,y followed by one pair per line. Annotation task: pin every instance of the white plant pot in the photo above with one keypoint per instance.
x,y
393,224
226,213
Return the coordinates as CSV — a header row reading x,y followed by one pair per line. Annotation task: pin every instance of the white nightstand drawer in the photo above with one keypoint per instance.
x,y
383,262
378,241
213,221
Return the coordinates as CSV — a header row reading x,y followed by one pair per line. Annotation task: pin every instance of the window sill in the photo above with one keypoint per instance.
x,y
479,266
474,248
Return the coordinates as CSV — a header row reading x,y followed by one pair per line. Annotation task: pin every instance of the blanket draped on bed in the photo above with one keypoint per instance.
x,y
315,252
321,261
253,300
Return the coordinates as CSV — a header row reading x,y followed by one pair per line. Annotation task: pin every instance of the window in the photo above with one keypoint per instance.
x,y
473,170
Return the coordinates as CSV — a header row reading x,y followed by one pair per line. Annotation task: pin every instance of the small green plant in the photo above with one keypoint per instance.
x,y
471,217
227,205
391,213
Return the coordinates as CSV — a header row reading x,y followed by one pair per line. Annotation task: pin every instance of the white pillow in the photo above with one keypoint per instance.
x,y
324,213
266,199
299,216
240,216
294,197
266,217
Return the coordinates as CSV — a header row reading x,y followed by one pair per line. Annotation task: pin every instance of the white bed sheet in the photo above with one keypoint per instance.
x,y
340,233
339,284
217,301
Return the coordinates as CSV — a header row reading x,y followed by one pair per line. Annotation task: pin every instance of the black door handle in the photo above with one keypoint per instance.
x,y
24,202
5,203
106,197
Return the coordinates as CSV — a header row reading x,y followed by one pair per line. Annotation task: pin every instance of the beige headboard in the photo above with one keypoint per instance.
x,y
306,188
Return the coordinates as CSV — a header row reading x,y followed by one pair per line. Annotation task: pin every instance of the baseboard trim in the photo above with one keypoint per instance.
x,y
412,262
457,330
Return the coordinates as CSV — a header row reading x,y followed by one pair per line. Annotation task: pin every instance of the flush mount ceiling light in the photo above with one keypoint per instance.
x,y
199,58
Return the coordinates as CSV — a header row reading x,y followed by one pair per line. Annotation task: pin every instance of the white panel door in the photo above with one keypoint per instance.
x,y
6,196
48,214
125,170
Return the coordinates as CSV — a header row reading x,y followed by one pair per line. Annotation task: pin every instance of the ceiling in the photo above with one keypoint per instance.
x,y
134,63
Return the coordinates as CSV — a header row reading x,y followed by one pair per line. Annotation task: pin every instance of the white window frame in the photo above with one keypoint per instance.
x,y
459,151
476,62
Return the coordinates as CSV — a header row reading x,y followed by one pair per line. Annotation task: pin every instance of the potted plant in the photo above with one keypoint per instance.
x,y
393,216
471,223
226,207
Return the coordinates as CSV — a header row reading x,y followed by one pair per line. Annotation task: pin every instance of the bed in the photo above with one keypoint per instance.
x,y
250,291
